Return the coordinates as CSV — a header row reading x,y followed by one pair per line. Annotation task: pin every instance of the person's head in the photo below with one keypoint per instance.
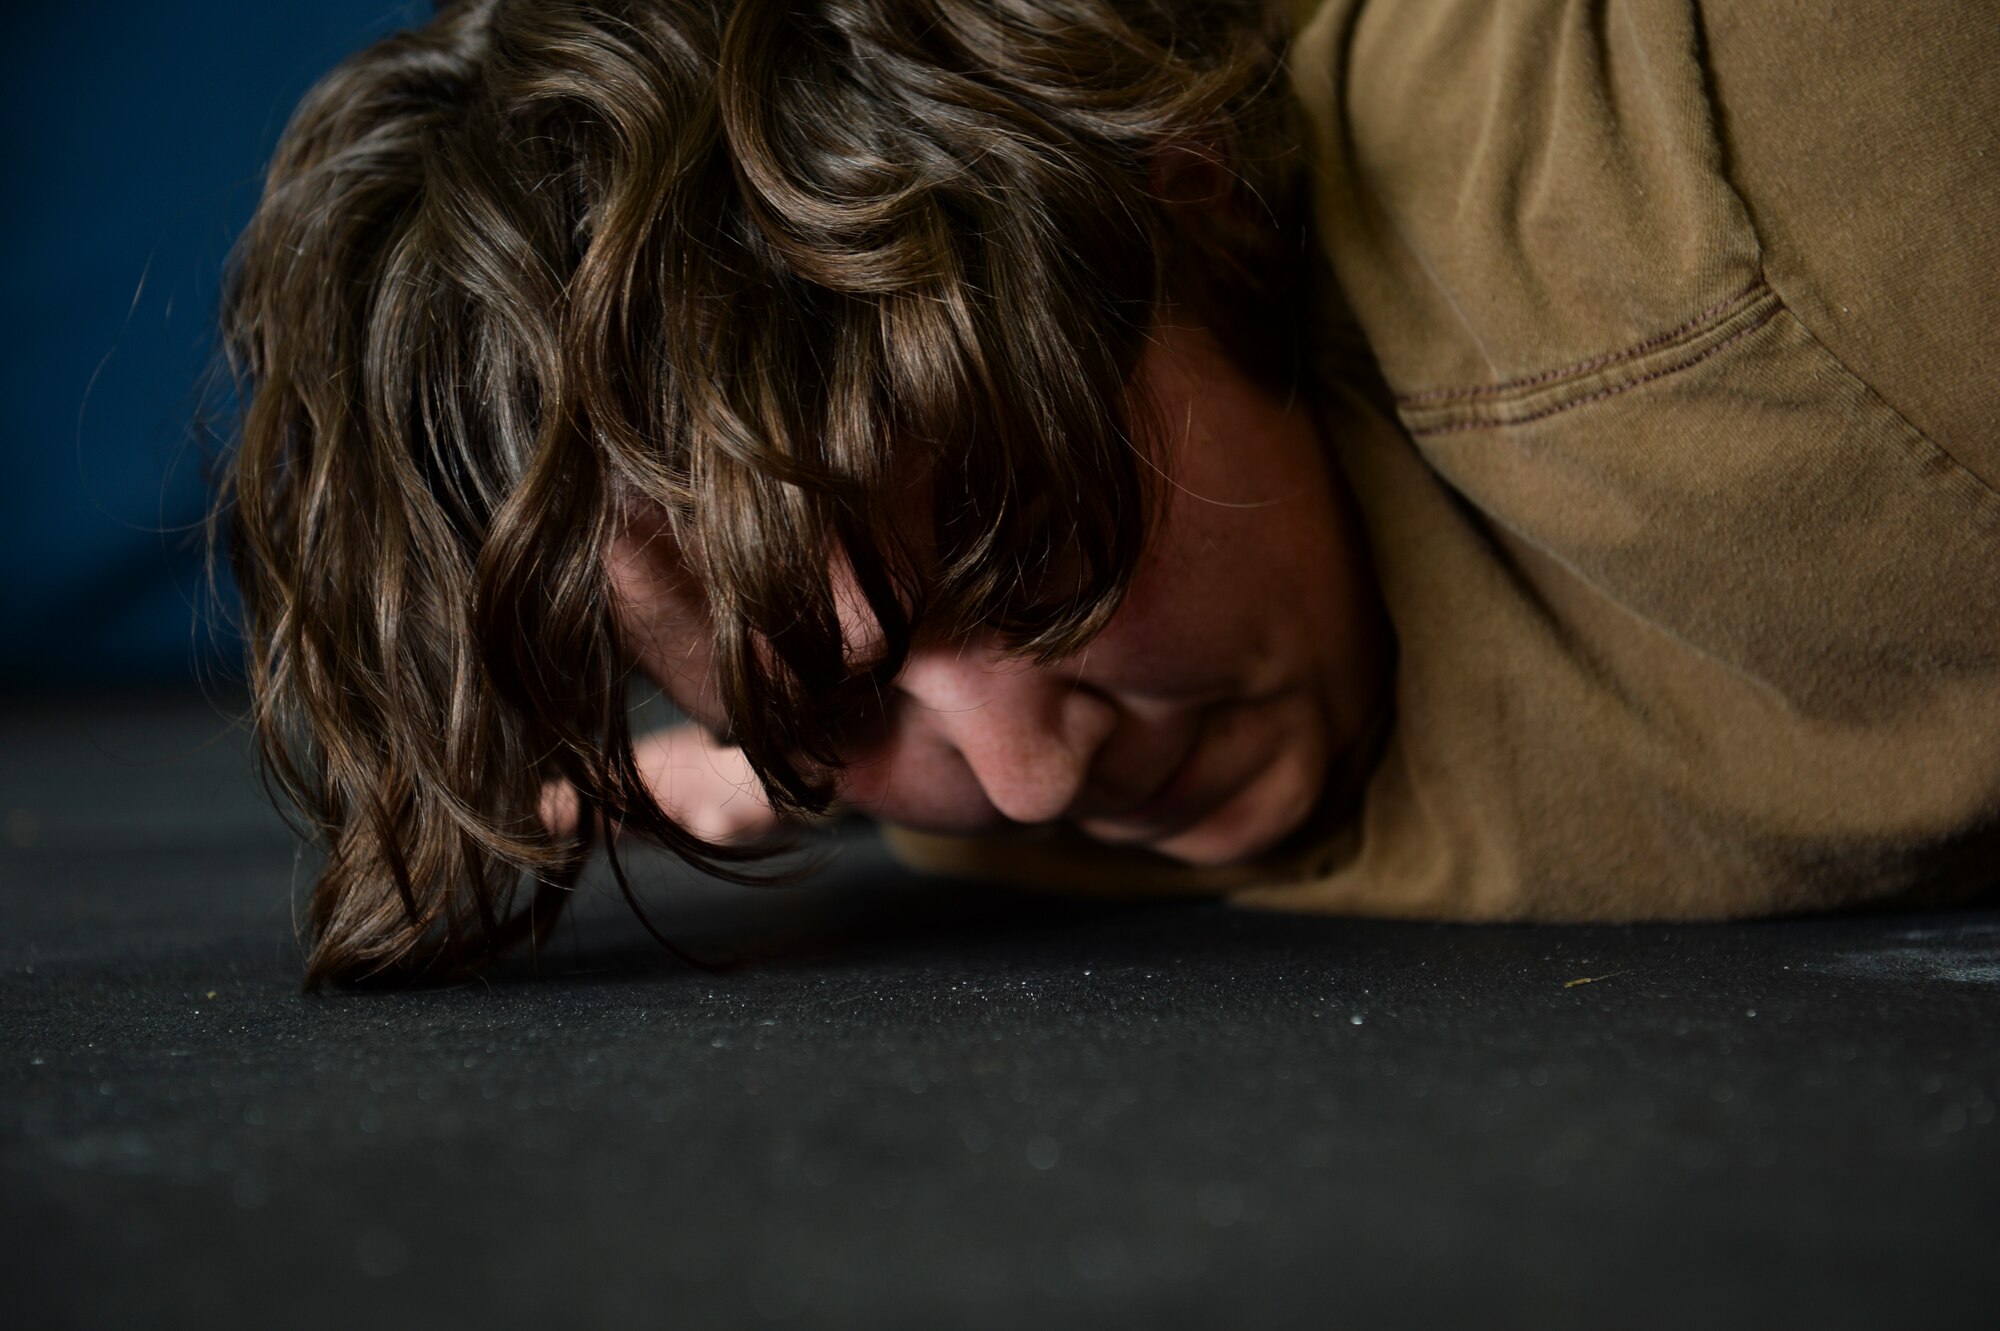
x,y
846,304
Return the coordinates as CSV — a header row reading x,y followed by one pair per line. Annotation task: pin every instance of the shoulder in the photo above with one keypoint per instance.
x,y
1527,209
1684,586
1508,192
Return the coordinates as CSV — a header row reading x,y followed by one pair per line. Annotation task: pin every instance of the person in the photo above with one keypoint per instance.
x,y
1449,463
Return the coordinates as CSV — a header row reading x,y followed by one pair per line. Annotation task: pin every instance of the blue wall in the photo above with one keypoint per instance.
x,y
136,132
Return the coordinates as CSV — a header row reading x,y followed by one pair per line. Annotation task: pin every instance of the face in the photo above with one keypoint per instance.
x,y
1204,722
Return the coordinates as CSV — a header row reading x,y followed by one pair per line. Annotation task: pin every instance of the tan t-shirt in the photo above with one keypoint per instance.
x,y
1686,518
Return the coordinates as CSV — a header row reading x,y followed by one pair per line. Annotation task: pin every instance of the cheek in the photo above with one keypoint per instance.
x,y
1203,641
1182,631
1223,588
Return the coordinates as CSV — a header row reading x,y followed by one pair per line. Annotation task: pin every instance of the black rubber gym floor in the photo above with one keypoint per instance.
x,y
900,1103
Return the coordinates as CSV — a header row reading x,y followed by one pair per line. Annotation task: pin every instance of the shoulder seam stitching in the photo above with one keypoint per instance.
x,y
1492,423
1583,366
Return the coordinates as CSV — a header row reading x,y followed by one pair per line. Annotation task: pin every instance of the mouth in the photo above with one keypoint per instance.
x,y
1178,801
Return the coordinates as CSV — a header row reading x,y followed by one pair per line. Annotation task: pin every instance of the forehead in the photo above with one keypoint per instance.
x,y
663,616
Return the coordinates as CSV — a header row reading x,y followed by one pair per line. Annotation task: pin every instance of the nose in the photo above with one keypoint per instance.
x,y
1028,733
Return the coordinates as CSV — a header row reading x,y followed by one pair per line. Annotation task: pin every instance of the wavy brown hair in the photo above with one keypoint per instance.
x,y
542,265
